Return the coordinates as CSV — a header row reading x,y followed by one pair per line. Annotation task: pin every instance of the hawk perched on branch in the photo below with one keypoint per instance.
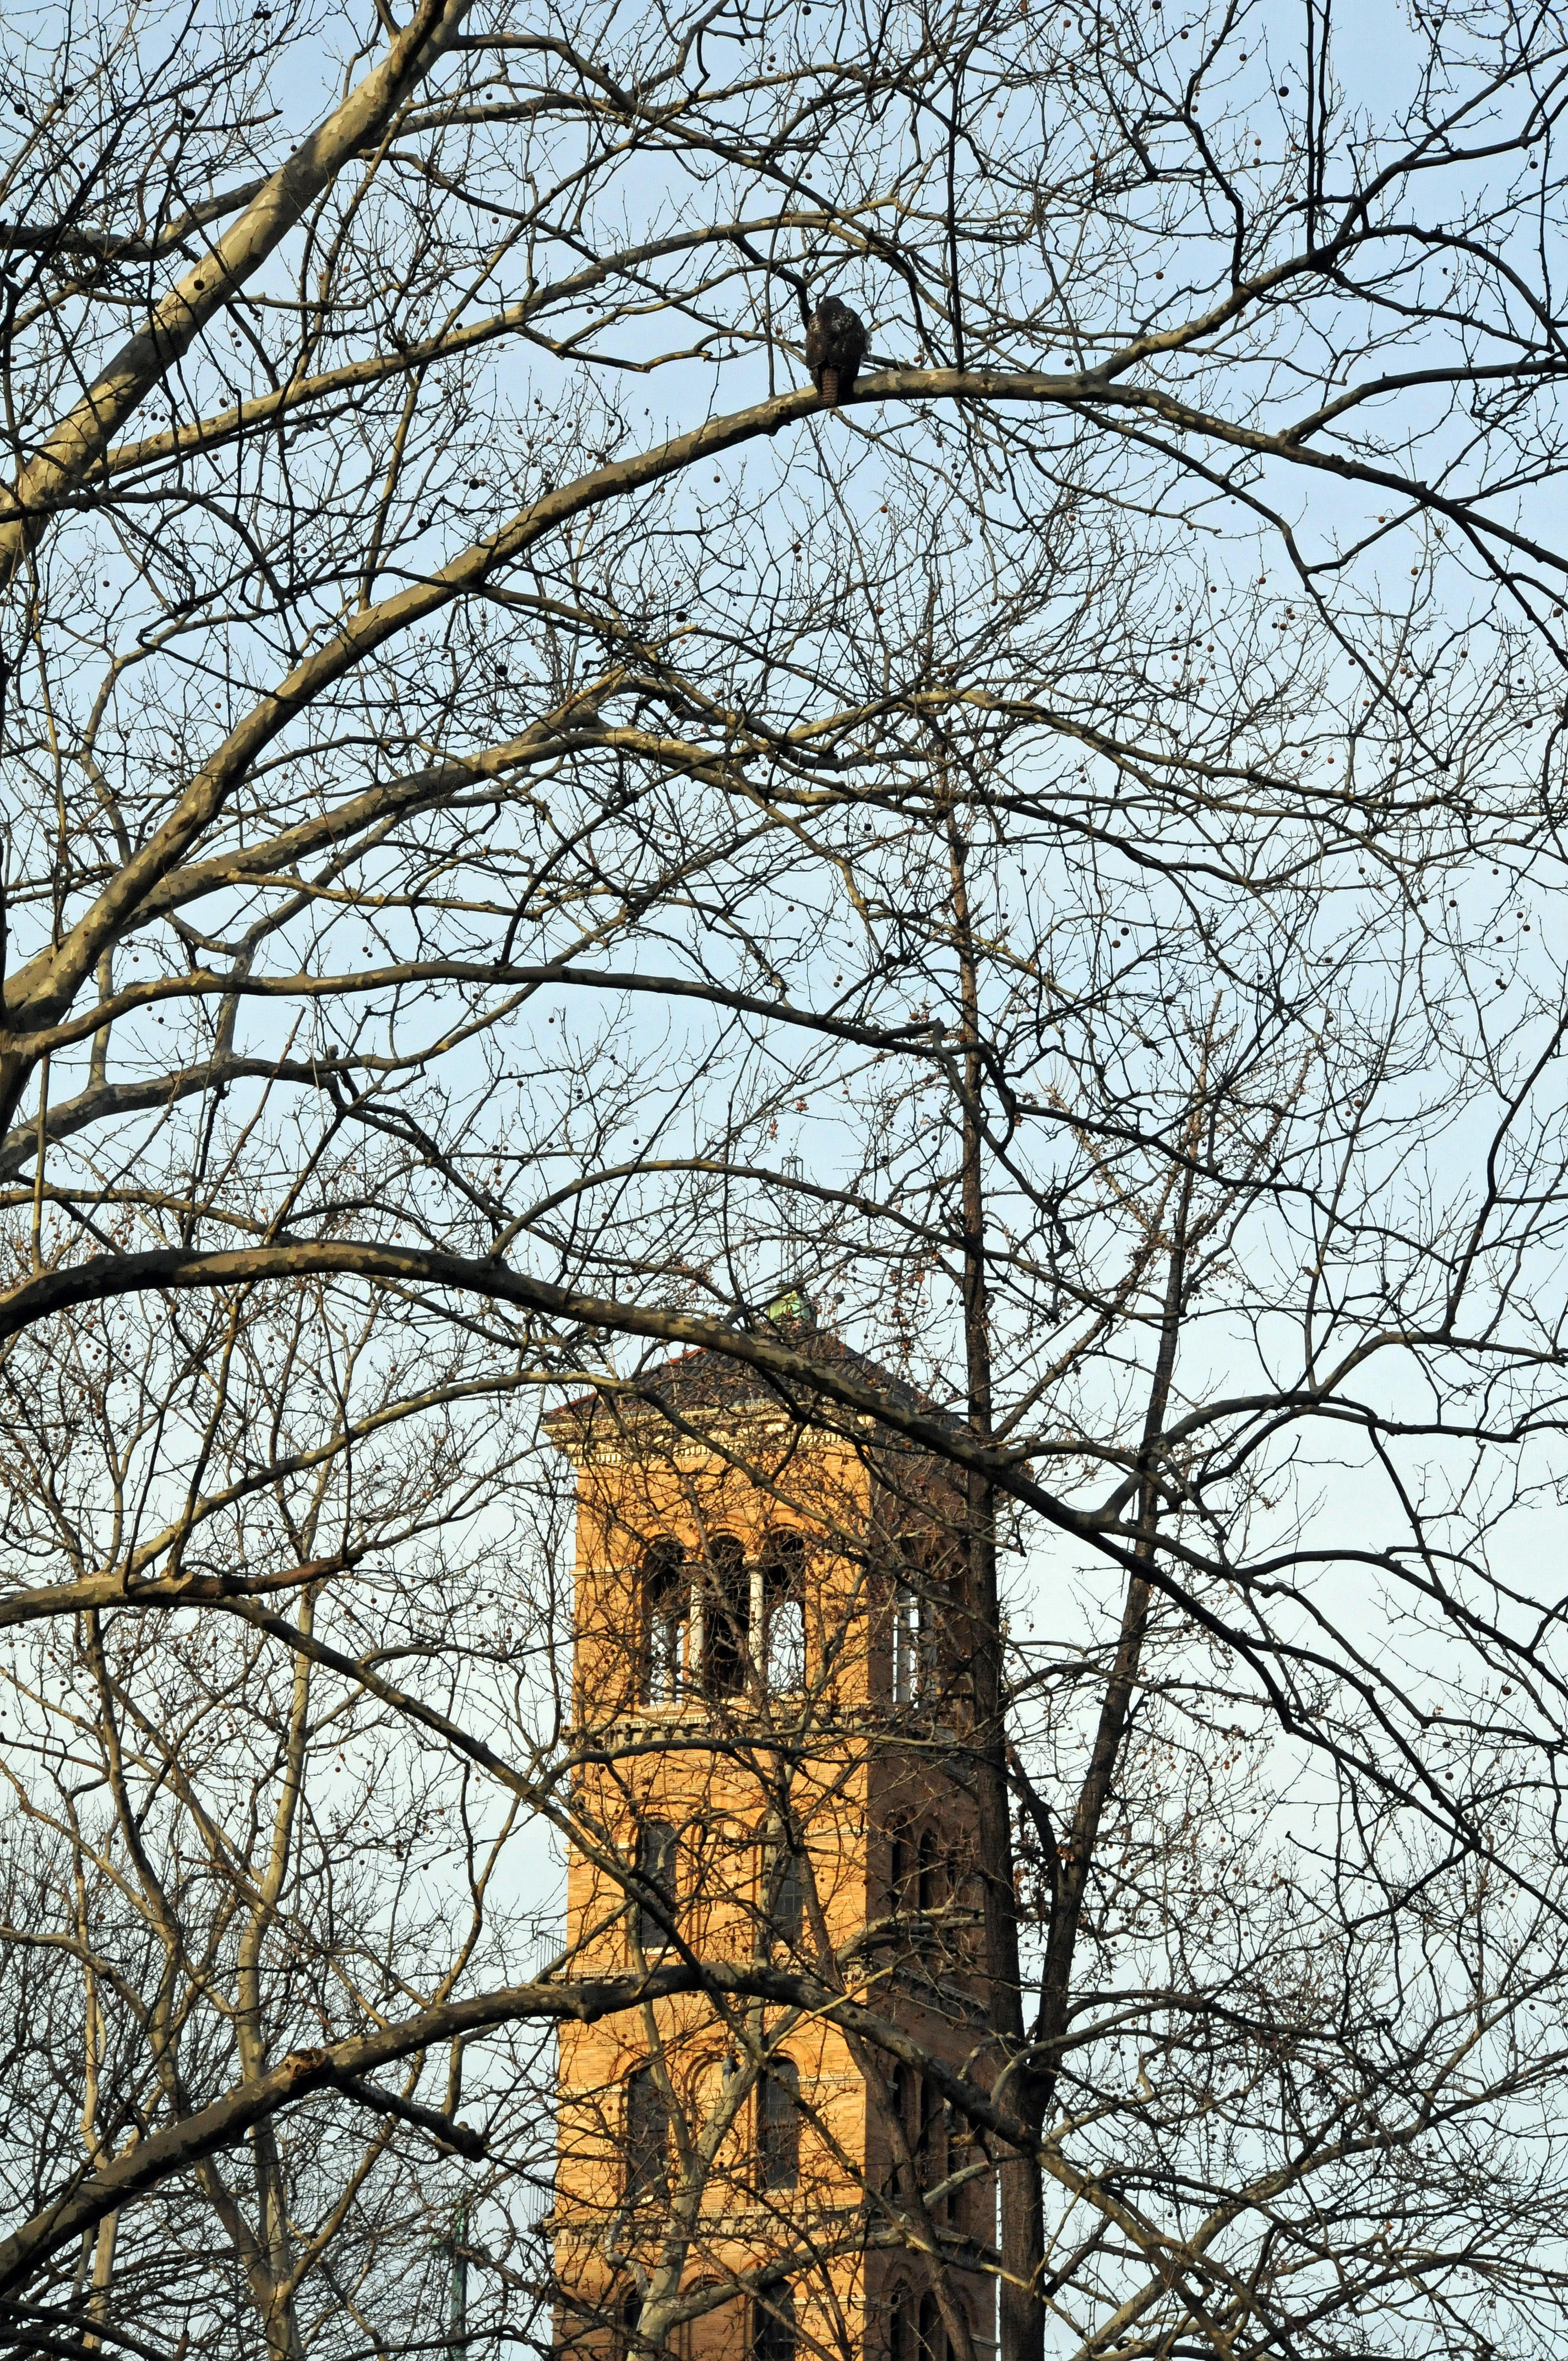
x,y
835,347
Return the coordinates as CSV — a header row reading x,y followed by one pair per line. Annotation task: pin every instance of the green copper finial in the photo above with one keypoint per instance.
x,y
792,1303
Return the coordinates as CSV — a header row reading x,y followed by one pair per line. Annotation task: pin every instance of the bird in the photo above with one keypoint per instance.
x,y
835,347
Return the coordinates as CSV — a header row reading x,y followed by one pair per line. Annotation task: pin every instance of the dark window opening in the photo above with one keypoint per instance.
x,y
931,2337
901,2090
923,2118
898,1872
900,2328
778,2126
725,1613
931,2142
647,2137
664,1621
656,1849
787,1915
628,2313
784,1613
772,2326
961,2153
929,1892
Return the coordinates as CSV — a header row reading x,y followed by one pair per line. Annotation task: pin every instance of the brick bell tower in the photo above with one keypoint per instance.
x,y
769,1706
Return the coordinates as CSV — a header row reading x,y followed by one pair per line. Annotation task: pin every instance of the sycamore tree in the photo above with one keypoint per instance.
x,y
520,828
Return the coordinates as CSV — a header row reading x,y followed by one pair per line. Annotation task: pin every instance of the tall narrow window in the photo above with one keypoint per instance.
x,y
931,2145
902,2092
901,2327
647,2137
665,1598
960,2155
929,1896
656,1844
931,2337
787,1914
784,1613
908,1645
725,1613
898,1872
772,2326
778,2126
916,1620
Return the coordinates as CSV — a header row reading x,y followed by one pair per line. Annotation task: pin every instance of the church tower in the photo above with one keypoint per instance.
x,y
770,1703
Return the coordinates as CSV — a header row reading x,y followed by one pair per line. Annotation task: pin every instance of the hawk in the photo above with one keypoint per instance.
x,y
835,347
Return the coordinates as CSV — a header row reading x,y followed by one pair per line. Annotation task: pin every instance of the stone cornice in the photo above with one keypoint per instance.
x,y
624,1431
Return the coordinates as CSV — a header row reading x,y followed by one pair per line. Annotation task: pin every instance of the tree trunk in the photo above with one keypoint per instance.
x,y
1021,2323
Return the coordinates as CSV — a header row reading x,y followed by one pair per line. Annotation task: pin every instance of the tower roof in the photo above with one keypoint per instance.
x,y
706,1381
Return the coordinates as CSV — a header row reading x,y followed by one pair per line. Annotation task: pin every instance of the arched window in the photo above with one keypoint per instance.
x,y
664,1598
783,1612
725,1613
647,2137
778,2126
901,2327
931,2337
